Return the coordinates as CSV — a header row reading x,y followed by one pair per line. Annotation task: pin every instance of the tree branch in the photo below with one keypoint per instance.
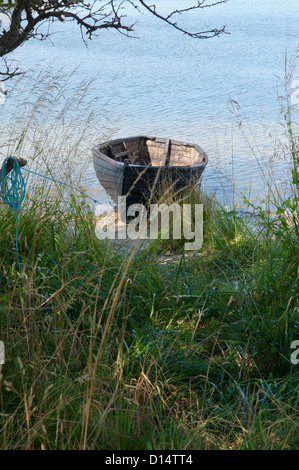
x,y
25,17
198,35
8,71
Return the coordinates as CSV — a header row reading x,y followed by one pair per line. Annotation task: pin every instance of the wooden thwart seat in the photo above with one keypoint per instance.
x,y
122,154
165,159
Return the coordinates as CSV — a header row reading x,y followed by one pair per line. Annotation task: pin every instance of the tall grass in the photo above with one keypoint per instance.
x,y
122,350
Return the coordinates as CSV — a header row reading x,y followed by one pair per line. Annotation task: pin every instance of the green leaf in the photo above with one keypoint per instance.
x,y
295,176
279,211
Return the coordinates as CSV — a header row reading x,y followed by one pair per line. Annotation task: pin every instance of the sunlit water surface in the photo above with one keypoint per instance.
x,y
220,93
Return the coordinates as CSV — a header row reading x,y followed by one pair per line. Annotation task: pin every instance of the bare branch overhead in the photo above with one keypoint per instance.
x,y
23,18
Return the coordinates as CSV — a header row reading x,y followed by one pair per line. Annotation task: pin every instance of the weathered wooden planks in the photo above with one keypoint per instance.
x,y
149,161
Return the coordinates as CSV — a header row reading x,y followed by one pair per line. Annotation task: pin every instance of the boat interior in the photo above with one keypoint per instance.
x,y
152,152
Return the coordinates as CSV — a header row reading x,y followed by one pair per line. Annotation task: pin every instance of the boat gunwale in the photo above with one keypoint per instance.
x,y
121,165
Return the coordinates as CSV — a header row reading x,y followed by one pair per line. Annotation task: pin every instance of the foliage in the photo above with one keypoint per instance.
x,y
123,350
108,350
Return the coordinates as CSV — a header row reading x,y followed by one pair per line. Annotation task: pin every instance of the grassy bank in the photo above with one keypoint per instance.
x,y
151,349
107,351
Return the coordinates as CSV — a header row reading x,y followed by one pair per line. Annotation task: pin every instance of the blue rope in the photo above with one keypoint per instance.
x,y
13,190
61,182
12,186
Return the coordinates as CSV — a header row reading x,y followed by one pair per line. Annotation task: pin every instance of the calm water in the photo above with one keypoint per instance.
x,y
167,84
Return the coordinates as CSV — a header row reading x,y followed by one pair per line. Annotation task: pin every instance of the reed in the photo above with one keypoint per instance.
x,y
124,350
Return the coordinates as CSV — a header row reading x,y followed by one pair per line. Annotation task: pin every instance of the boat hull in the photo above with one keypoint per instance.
x,y
141,167
109,175
148,185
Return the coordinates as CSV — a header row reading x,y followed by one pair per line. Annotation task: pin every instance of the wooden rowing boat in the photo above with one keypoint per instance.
x,y
133,166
